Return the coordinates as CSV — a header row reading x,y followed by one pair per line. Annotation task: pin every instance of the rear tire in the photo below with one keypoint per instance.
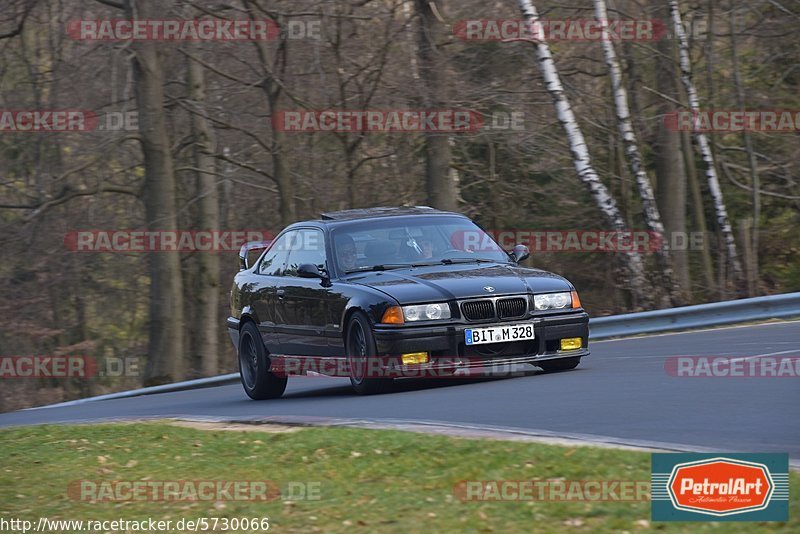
x,y
564,364
360,348
258,382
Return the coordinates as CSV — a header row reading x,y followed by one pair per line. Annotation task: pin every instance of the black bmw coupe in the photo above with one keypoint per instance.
x,y
383,293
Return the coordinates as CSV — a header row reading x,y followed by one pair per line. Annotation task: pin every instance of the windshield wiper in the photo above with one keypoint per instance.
x,y
380,267
446,261
450,261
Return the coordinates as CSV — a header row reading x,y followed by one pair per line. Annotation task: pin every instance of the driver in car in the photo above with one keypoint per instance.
x,y
346,250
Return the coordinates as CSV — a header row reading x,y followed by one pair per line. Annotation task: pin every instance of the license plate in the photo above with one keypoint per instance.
x,y
499,334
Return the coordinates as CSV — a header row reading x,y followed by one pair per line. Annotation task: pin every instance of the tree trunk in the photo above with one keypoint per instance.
x,y
651,214
439,183
282,177
704,147
205,341
699,213
273,91
165,329
755,181
581,159
668,156
745,229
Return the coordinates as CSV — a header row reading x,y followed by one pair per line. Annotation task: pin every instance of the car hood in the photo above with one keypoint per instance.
x,y
448,282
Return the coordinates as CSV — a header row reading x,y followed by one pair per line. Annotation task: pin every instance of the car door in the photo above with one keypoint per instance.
x,y
306,301
266,300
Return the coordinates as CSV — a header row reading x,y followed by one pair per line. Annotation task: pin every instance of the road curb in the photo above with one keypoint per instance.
x,y
443,428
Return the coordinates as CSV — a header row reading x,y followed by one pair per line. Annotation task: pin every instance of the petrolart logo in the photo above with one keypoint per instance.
x,y
715,487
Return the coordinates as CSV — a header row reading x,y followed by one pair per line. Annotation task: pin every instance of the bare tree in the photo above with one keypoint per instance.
x,y
359,81
580,155
273,65
206,324
703,145
650,211
439,182
165,330
755,182
697,209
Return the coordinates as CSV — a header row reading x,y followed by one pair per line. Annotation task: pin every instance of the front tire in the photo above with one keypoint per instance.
x,y
360,348
258,382
564,364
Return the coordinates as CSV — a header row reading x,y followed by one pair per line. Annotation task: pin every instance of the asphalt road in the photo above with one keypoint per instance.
x,y
621,393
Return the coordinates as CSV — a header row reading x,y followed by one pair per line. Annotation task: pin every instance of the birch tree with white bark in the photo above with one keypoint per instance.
x,y
703,145
580,153
650,210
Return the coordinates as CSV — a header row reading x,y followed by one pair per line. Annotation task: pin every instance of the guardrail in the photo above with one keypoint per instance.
x,y
701,315
198,383
685,317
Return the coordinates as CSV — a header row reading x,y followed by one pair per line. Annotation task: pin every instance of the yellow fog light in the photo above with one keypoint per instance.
x,y
571,343
413,358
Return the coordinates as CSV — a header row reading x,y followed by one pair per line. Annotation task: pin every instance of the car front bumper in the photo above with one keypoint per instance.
x,y
447,342
232,326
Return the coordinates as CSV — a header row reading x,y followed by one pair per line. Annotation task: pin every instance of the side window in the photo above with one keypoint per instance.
x,y
274,261
308,246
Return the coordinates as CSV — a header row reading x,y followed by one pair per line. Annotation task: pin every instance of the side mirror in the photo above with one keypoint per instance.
x,y
245,250
520,253
308,270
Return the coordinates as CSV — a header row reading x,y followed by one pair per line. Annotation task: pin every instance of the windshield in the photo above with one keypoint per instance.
x,y
412,241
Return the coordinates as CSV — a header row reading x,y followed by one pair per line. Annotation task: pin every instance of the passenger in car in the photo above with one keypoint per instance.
x,y
427,249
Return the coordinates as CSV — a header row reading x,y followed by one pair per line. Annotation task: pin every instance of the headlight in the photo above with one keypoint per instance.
x,y
426,312
552,301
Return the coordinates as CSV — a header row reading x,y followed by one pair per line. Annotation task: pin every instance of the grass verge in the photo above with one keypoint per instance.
x,y
367,480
